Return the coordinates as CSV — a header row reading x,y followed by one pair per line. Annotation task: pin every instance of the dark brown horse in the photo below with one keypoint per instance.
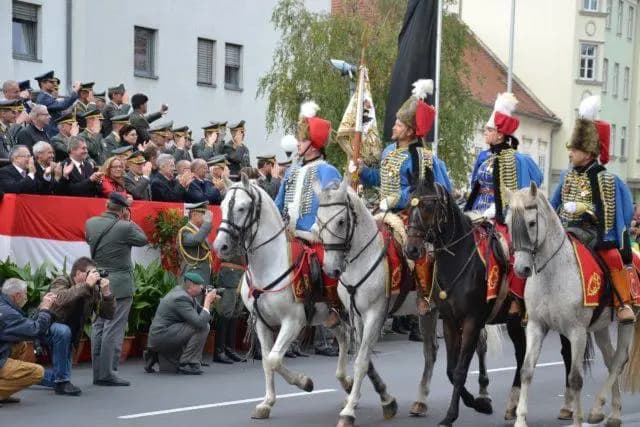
x,y
460,290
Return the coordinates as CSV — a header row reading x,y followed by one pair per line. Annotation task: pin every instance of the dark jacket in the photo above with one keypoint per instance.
x,y
238,158
111,110
202,191
141,123
29,135
163,190
42,185
60,147
75,303
95,146
77,184
55,108
138,186
11,181
15,327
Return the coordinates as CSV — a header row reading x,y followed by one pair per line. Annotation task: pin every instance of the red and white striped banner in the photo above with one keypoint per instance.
x,y
35,229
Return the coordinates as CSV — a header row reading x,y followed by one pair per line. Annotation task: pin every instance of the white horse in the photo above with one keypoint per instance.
x,y
355,251
554,299
251,224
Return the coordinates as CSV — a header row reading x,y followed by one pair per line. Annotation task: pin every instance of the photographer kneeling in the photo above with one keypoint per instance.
x,y
77,297
180,327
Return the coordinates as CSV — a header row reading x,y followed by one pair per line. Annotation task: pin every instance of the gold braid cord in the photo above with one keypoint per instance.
x,y
607,184
190,260
508,173
576,188
425,160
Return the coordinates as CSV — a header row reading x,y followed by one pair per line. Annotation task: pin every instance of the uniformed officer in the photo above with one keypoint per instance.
x,y
115,107
160,134
83,103
268,181
91,135
113,140
236,151
47,96
230,307
9,111
67,127
193,246
137,180
182,143
219,171
100,100
207,147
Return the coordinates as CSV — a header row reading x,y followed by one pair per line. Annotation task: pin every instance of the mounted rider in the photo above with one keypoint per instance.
x,y
500,168
595,204
404,162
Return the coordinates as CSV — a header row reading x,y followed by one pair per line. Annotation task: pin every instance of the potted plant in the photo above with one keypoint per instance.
x,y
166,226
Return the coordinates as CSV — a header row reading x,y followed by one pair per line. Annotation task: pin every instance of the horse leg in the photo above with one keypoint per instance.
x,y
452,340
289,330
519,340
565,412
578,339
470,332
534,335
428,326
345,381
483,377
263,409
369,327
389,404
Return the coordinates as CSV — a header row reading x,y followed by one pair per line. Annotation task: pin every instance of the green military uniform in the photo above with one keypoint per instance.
x,y
162,130
6,138
60,143
79,108
201,150
269,183
193,247
95,144
238,157
182,153
226,324
112,140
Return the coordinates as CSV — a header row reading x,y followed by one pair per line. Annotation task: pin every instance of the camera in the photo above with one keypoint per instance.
x,y
207,289
103,273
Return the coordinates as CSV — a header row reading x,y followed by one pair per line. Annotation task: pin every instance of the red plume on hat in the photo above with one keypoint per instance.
x,y
502,118
318,129
425,113
604,138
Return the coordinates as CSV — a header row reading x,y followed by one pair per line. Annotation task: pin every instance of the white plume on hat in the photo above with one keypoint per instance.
x,y
422,88
506,104
309,109
589,108
289,143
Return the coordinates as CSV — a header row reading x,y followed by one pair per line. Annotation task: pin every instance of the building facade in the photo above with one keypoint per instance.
x,y
566,51
201,58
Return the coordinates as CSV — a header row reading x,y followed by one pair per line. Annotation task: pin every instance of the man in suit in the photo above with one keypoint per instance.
x,y
112,140
180,327
46,180
202,189
166,188
115,107
67,127
47,97
110,237
137,180
140,119
267,181
19,176
91,134
78,178
9,111
35,130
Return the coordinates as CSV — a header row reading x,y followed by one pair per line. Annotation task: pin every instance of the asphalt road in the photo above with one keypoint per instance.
x,y
226,395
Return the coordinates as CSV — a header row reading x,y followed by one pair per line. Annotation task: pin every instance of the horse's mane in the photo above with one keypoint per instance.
x,y
267,201
426,185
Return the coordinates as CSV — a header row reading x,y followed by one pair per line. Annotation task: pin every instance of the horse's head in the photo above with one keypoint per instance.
x,y
528,221
427,214
336,220
240,213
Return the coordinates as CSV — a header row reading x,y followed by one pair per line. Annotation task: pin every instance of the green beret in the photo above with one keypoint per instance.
x,y
194,277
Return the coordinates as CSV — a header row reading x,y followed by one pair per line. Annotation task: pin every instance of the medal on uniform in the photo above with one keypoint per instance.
x,y
443,295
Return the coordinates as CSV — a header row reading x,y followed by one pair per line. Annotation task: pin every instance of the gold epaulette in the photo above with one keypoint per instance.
x,y
607,184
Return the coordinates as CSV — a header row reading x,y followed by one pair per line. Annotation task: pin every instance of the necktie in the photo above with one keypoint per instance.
x,y
24,174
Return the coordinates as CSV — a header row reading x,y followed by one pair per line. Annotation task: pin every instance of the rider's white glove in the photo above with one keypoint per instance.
x,y
570,207
384,205
490,212
352,167
208,216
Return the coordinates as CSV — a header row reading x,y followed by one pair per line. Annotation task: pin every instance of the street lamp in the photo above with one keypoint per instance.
x,y
346,69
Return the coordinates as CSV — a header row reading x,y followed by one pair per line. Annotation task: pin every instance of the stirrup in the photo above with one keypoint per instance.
x,y
628,316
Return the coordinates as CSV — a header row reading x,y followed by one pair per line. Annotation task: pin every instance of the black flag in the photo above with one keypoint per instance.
x,y
416,59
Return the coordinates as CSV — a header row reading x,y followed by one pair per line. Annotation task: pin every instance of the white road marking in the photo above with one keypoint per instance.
x,y
219,404
513,368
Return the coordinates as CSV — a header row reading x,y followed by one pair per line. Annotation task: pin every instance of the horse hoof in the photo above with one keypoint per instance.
x,y
389,410
346,421
307,385
595,418
565,414
445,423
347,384
510,414
418,409
261,412
483,405
613,422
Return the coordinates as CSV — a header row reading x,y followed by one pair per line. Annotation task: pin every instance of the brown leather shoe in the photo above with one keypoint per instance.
x,y
625,314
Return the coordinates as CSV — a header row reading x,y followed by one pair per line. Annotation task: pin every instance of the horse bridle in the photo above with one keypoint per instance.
x,y
239,232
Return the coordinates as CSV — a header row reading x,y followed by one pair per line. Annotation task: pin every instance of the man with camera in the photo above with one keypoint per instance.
x,y
78,295
110,237
180,327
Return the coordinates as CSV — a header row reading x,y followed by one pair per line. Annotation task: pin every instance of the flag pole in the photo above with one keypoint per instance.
x,y
357,137
436,131
511,37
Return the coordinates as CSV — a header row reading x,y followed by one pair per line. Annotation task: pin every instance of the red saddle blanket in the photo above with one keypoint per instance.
x,y
300,254
494,277
394,259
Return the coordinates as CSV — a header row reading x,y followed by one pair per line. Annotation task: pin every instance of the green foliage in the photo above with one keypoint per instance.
x,y
152,283
301,71
166,226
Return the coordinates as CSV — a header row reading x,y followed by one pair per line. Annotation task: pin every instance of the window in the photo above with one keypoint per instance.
x,y
607,24
616,72
605,75
625,84
588,61
590,5
542,155
144,54
612,149
527,144
623,138
206,62
232,63
620,10
25,31
632,12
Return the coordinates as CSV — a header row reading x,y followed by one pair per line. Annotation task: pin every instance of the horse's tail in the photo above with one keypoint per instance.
x,y
589,354
494,340
631,373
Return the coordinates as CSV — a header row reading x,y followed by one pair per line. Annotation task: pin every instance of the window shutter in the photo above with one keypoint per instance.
x,y
205,61
25,11
232,56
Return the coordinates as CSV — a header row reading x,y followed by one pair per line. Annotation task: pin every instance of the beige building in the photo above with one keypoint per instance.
x,y
561,52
